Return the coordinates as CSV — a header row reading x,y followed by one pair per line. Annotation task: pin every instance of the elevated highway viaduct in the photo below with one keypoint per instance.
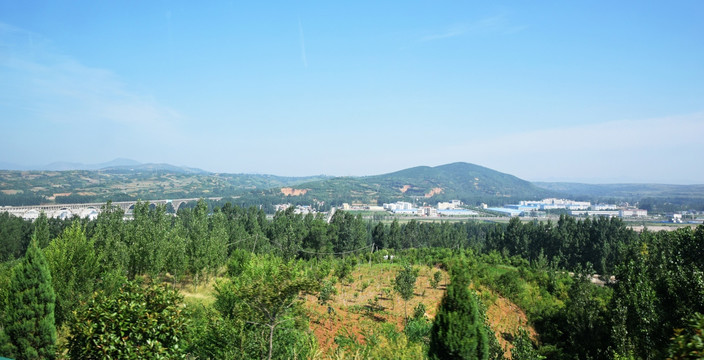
x,y
91,210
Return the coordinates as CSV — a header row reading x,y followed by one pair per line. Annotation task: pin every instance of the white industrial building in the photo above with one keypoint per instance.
x,y
633,213
400,205
452,204
553,203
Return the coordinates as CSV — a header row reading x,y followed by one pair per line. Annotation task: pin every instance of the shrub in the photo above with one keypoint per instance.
x,y
418,330
327,291
419,311
239,260
435,281
133,323
509,284
689,343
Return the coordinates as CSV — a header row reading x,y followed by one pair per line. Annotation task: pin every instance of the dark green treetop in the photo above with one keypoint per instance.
x,y
30,315
458,330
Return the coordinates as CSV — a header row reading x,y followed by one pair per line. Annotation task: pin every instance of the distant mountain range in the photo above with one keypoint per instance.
x,y
119,164
128,179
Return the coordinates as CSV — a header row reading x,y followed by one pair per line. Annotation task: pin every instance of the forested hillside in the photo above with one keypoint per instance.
x,y
470,183
228,283
127,184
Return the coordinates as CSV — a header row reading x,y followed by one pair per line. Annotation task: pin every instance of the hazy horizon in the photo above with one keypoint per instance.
x,y
593,92
594,181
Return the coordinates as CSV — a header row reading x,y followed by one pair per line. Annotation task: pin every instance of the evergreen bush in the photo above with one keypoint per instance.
x,y
30,313
458,331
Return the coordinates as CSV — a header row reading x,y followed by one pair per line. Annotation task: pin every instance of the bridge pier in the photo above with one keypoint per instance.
x,y
87,209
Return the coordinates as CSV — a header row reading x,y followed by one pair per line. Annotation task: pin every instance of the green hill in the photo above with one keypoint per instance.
x,y
470,183
146,182
473,184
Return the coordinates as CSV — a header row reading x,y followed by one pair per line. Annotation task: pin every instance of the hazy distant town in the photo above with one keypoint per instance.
x,y
525,209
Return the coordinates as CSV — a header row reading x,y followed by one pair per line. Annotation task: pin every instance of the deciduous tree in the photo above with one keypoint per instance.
x,y
264,294
405,285
74,268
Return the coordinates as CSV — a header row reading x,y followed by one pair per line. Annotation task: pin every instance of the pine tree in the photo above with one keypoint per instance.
x,y
30,316
458,330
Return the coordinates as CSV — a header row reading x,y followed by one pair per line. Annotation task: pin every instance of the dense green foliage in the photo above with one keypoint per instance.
x,y
132,323
547,269
688,343
266,295
458,329
73,263
523,348
660,284
29,319
15,234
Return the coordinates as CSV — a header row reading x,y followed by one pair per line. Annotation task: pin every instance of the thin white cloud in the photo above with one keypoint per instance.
x,y
302,38
664,149
492,24
46,85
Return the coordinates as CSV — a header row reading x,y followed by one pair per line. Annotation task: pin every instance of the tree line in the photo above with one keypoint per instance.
x,y
69,264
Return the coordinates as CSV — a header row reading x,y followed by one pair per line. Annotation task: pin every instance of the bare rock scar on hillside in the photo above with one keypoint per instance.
x,y
293,192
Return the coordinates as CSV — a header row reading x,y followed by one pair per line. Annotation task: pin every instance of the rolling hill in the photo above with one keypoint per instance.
x,y
121,183
473,184
467,182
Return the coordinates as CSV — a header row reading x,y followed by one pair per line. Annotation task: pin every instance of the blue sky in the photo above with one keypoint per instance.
x,y
592,91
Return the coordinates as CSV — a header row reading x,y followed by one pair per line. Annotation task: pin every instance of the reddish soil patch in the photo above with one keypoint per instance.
x,y
350,318
506,317
293,192
405,188
433,192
